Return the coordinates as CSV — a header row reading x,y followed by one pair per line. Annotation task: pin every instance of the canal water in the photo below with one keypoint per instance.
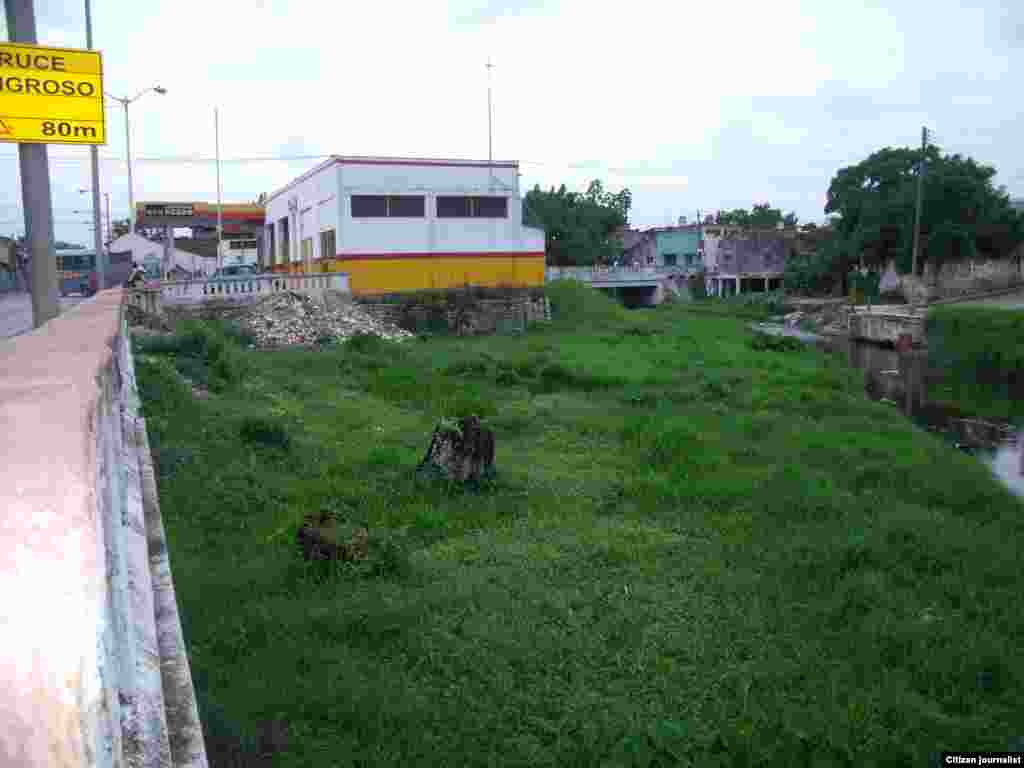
x,y
902,380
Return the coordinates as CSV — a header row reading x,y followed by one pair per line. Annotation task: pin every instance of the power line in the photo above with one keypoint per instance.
x,y
587,165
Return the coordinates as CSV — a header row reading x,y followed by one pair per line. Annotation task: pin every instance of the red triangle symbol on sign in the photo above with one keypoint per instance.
x,y
4,130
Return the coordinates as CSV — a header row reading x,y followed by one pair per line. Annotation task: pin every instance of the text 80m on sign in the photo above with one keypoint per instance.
x,y
51,95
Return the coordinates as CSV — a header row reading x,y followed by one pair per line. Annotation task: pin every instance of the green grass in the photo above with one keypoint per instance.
x,y
695,553
754,306
981,350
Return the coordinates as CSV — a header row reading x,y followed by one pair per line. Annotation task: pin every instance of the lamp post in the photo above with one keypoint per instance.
x,y
106,196
124,102
97,215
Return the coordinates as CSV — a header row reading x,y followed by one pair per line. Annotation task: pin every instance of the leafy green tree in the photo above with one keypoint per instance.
x,y
963,214
737,218
578,228
823,270
761,216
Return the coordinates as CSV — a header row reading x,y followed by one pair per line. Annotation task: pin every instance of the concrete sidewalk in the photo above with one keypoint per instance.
x,y
16,312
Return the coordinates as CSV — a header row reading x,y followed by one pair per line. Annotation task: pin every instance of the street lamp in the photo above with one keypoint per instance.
x,y
106,195
128,146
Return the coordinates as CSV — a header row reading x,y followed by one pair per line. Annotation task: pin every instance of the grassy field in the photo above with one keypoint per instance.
x,y
696,553
981,351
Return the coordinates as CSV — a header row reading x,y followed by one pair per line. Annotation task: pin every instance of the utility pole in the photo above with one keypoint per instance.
x,y
34,163
490,153
917,217
94,158
220,213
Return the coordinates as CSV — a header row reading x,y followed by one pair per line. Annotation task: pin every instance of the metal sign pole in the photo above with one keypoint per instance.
x,y
34,163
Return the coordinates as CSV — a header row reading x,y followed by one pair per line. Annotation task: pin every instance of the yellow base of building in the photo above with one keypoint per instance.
x,y
400,273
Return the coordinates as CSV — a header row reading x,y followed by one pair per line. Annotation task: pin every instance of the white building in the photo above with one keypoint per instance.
x,y
398,224
151,256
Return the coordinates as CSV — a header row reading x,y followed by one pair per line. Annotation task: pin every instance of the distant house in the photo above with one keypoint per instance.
x,y
739,260
151,256
665,247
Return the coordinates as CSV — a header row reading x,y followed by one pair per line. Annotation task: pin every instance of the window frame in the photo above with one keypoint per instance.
x,y
388,198
472,205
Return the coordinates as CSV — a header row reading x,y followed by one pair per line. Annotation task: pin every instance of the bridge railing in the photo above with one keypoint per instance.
x,y
624,273
249,287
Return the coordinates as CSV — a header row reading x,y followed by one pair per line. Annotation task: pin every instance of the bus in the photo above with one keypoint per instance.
x,y
76,270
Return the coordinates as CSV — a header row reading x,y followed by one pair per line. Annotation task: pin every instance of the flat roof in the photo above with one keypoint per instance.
x,y
422,162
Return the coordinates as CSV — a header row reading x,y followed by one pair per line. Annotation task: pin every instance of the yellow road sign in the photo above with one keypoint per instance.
x,y
51,95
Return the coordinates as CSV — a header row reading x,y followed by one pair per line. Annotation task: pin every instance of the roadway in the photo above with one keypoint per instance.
x,y
16,312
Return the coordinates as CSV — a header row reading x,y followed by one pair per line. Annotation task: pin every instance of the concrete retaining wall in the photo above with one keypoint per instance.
x,y
960,278
93,670
482,317
884,327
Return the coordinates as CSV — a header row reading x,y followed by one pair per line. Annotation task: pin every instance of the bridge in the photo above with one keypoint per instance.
x,y
94,672
642,286
888,323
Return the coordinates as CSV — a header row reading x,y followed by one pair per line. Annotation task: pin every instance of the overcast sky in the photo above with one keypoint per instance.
x,y
692,106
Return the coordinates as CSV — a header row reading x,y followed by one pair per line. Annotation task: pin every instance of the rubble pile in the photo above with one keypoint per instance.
x,y
288,319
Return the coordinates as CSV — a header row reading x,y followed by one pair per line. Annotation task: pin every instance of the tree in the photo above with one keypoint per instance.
x,y
822,270
578,228
962,213
761,216
765,217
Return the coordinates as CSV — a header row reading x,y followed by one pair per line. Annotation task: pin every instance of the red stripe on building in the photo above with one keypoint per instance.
x,y
471,255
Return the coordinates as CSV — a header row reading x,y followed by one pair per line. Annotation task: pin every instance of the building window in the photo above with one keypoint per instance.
x,y
463,207
388,206
286,253
491,207
671,259
327,250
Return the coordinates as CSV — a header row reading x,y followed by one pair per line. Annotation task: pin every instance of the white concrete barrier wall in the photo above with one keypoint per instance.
x,y
249,288
84,664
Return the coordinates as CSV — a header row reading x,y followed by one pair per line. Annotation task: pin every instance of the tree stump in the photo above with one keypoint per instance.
x,y
321,538
463,452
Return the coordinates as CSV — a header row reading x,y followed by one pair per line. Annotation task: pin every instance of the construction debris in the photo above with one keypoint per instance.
x,y
294,319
